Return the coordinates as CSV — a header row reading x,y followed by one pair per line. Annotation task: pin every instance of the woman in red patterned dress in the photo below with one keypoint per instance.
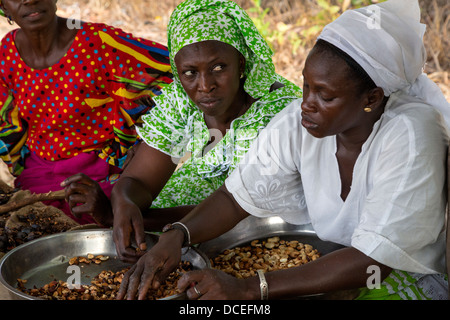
x,y
69,98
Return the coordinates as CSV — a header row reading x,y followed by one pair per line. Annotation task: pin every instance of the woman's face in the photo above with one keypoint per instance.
x,y
332,103
210,74
30,14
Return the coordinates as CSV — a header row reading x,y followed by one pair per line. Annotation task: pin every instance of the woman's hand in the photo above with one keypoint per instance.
x,y
128,225
85,196
152,268
211,284
146,173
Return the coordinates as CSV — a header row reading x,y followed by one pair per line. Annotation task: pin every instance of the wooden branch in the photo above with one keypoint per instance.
x,y
5,188
32,198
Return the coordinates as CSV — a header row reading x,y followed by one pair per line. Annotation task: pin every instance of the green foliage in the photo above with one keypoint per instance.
x,y
259,17
327,13
305,31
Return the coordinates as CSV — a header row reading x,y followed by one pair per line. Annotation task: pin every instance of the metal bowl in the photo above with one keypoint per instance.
x,y
46,259
253,228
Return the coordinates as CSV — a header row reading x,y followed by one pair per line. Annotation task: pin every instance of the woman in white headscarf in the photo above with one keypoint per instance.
x,y
390,49
362,157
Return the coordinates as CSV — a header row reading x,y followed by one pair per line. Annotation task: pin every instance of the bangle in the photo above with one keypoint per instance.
x,y
263,285
182,227
187,235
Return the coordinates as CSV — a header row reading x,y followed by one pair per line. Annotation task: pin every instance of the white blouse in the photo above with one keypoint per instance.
x,y
395,210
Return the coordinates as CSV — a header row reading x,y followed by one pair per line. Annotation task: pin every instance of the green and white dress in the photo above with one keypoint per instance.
x,y
176,125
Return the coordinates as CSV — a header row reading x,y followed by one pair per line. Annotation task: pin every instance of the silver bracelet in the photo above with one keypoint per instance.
x,y
263,285
187,234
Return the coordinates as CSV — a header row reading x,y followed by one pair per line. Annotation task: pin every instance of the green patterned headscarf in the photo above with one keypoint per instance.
x,y
176,125
223,20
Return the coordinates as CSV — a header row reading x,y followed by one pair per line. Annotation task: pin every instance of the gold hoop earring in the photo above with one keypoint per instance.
x,y
368,109
9,20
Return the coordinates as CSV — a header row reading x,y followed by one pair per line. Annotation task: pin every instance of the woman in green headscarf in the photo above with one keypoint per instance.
x,y
225,91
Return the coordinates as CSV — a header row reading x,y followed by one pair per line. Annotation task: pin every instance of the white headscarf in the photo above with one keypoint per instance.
x,y
386,40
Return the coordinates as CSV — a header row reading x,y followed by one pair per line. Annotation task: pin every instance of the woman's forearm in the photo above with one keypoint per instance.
x,y
339,270
343,269
156,219
130,190
146,173
214,216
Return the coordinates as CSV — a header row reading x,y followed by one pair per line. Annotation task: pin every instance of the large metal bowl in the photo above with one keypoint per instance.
x,y
253,228
46,259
